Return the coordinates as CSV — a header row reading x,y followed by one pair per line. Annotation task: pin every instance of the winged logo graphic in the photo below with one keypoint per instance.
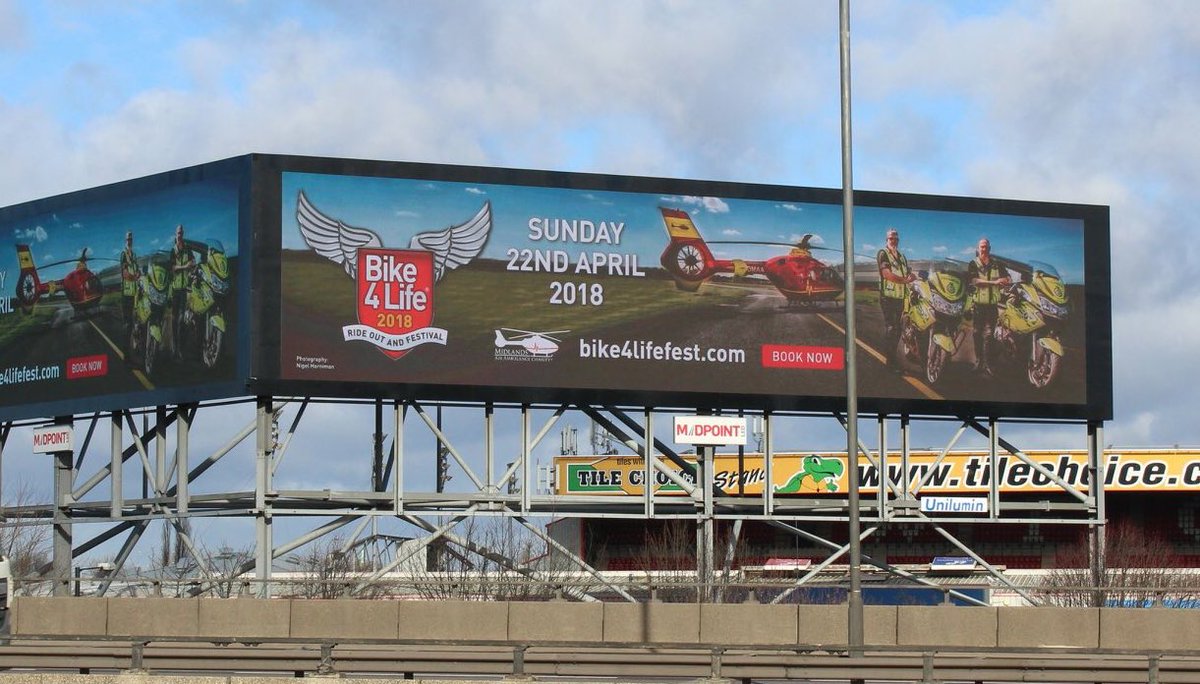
x,y
395,286
451,247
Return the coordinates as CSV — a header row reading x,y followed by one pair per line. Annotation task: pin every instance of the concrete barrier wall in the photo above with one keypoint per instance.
x,y
748,623
475,620
154,617
38,615
684,623
1029,627
945,626
346,619
244,618
1149,628
659,622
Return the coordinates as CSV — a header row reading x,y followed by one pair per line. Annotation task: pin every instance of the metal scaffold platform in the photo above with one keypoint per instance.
x,y
171,466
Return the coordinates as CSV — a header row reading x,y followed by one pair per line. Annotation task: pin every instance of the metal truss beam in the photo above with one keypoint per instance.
x,y
179,489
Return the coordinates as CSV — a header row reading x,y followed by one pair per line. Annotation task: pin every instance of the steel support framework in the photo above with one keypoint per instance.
x,y
407,439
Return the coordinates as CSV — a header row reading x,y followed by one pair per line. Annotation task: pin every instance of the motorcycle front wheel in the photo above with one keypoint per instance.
x,y
212,343
135,334
908,342
935,360
149,352
1043,364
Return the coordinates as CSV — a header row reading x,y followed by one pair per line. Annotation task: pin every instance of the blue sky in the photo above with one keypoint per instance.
x,y
1049,100
398,209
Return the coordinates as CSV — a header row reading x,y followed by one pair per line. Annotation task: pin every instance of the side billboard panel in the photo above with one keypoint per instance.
x,y
122,296
495,284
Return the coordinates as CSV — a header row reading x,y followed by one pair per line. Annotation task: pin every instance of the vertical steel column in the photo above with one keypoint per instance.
x,y
64,466
1097,543
527,468
183,427
264,414
160,450
881,495
994,480
768,477
905,453
854,602
377,449
704,526
741,470
116,503
441,464
4,429
399,410
488,455
648,462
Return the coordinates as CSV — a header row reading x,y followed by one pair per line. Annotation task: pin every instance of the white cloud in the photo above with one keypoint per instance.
x,y
35,234
712,205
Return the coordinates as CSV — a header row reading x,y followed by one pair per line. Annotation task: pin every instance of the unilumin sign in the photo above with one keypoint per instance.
x,y
953,504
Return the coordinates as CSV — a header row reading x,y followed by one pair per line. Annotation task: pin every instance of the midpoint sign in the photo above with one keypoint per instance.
x,y
710,430
53,438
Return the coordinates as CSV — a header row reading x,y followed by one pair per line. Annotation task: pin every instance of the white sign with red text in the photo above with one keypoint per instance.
x,y
54,438
716,430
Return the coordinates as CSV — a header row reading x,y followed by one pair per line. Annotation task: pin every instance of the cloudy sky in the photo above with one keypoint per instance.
x,y
1058,100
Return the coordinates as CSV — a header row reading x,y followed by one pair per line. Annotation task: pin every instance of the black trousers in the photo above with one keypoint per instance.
x,y
984,325
893,315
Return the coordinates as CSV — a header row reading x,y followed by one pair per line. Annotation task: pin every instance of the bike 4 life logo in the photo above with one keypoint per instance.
x,y
395,286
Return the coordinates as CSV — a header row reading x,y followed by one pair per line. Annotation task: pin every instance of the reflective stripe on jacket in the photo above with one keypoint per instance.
x,y
987,294
899,267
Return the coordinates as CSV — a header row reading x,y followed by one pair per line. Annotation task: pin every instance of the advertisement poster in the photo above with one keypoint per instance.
x,y
120,297
1137,470
391,280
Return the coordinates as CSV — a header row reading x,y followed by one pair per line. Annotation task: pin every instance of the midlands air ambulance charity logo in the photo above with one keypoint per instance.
x,y
395,286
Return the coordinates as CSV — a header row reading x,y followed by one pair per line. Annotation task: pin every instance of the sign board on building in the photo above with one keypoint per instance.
x,y
952,564
954,504
956,473
53,438
710,430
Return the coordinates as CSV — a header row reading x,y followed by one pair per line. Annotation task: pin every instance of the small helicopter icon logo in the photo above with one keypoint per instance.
x,y
541,344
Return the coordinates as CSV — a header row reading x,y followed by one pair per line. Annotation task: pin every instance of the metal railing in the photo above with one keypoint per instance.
x,y
667,661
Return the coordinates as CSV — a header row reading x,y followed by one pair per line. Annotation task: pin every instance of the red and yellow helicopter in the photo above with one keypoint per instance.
x,y
799,276
81,287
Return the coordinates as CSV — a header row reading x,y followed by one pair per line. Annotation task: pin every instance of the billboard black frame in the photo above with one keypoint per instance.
x,y
267,220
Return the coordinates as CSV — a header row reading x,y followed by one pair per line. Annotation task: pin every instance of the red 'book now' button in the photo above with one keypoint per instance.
x,y
87,366
793,356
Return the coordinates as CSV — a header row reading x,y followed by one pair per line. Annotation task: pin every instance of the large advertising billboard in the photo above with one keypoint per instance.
x,y
475,283
123,295
964,472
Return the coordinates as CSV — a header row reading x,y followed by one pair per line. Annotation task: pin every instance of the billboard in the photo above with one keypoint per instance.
x,y
448,282
124,295
966,472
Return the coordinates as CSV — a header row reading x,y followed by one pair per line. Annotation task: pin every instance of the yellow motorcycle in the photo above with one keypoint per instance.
x,y
149,302
1030,316
202,320
932,331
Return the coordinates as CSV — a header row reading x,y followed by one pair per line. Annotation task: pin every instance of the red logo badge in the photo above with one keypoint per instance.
x,y
395,301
